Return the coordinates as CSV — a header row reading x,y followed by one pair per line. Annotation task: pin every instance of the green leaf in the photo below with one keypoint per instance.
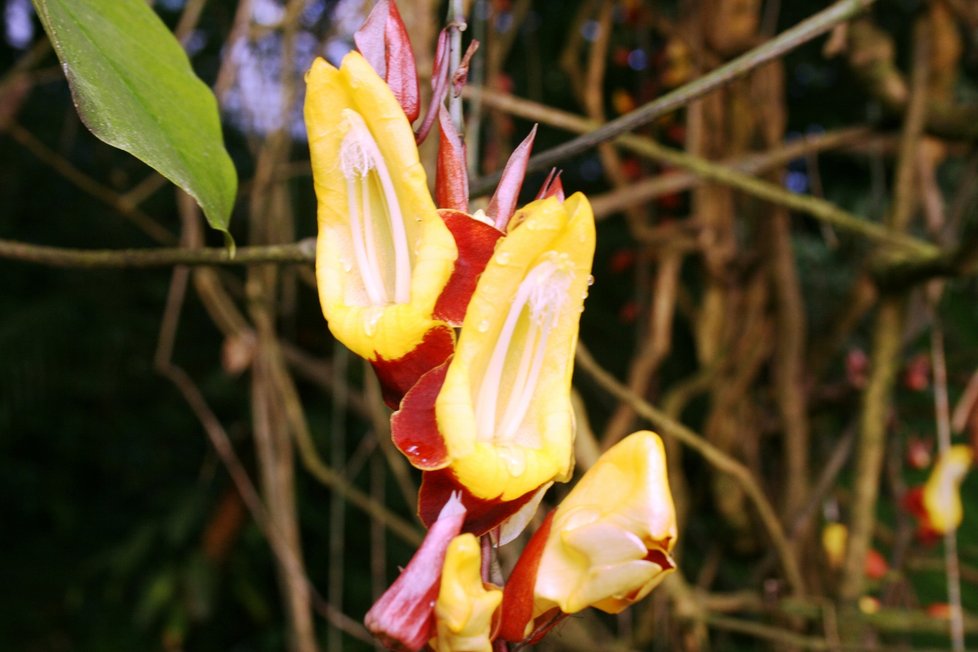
x,y
134,89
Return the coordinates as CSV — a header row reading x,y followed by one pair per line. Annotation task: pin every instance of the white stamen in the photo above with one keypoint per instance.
x,y
540,296
369,241
372,283
359,156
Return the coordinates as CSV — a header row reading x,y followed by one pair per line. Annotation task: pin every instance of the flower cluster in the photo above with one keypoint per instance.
x,y
470,322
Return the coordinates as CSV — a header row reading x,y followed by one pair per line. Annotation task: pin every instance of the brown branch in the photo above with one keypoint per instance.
x,y
302,252
910,247
755,163
785,42
887,343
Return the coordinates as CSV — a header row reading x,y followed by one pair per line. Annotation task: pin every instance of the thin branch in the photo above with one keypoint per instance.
x,y
776,47
784,638
302,252
915,249
456,25
887,344
720,460
943,418
676,181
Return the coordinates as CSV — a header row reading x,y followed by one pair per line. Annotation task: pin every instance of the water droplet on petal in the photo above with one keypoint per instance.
x,y
370,325
483,326
590,280
515,461
503,258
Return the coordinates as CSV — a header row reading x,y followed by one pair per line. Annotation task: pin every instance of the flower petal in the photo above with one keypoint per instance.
x,y
401,374
464,611
518,595
475,241
383,41
402,619
383,253
503,201
451,175
413,427
504,410
607,544
482,515
552,186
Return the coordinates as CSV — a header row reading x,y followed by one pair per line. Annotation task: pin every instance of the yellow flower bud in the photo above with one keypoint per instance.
x,y
465,607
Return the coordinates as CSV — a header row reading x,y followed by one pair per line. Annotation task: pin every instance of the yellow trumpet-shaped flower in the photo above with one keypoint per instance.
x,y
607,545
495,422
465,607
612,535
941,494
383,253
504,410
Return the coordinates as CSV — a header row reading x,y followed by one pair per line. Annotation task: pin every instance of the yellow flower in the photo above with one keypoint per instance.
x,y
607,545
383,253
496,421
465,607
941,494
504,410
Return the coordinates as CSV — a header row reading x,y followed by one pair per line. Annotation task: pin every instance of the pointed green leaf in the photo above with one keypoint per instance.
x,y
134,89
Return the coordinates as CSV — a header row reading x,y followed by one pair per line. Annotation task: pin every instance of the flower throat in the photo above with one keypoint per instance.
x,y
509,382
377,231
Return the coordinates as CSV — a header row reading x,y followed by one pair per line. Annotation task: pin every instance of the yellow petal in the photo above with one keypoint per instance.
x,y
383,254
610,538
941,495
465,607
505,410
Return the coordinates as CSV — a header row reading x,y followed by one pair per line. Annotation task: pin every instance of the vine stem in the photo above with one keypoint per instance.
x,y
302,252
788,40
943,418
913,250
456,25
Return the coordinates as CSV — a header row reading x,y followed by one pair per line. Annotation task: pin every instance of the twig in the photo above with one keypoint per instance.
x,y
302,252
942,417
785,42
887,342
755,163
188,20
817,208
314,464
784,638
225,450
456,25
229,66
717,458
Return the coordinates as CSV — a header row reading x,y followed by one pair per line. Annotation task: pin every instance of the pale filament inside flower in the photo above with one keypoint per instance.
x,y
508,385
377,227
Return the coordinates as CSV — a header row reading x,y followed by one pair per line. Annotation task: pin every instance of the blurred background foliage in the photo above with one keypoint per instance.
x,y
121,528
